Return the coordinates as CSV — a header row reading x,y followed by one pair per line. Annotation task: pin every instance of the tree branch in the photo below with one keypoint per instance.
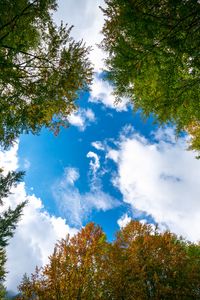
x,y
18,16
27,53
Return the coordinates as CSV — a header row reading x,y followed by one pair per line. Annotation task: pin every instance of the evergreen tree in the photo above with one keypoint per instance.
x,y
8,218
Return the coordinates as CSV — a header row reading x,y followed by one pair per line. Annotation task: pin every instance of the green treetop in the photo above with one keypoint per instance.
x,y
42,69
153,49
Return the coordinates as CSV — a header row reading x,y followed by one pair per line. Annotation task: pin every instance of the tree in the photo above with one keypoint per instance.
x,y
153,49
8,218
140,264
75,270
157,265
42,69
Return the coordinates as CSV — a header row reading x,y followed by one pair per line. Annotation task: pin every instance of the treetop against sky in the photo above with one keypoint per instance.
x,y
109,165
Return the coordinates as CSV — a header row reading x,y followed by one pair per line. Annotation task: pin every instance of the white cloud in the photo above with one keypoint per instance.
x,y
160,178
89,114
37,231
98,145
165,134
112,154
76,206
123,221
71,175
76,120
34,239
82,118
8,159
27,164
102,92
87,19
94,162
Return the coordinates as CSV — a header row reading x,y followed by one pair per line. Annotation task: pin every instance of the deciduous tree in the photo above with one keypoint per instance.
x,y
42,69
75,270
157,265
153,49
141,264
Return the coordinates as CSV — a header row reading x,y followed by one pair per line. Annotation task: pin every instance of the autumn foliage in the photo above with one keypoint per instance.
x,y
141,263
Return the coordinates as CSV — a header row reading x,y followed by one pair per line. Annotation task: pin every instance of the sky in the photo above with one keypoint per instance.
x,y
108,167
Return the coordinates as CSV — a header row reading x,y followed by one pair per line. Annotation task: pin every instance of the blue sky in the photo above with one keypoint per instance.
x,y
46,158
107,167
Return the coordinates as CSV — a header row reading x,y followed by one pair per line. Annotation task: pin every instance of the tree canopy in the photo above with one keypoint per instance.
x,y
141,263
153,58
42,69
8,218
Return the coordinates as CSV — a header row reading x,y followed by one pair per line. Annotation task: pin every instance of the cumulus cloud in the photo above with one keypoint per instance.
x,y
76,206
37,231
160,178
102,92
34,239
82,118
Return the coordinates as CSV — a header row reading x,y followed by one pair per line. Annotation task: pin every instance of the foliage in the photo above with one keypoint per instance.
x,y
42,69
140,264
153,49
73,270
8,218
157,265
194,130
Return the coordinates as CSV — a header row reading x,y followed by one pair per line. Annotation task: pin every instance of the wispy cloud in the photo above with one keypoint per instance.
x,y
70,176
98,145
26,164
94,162
76,206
